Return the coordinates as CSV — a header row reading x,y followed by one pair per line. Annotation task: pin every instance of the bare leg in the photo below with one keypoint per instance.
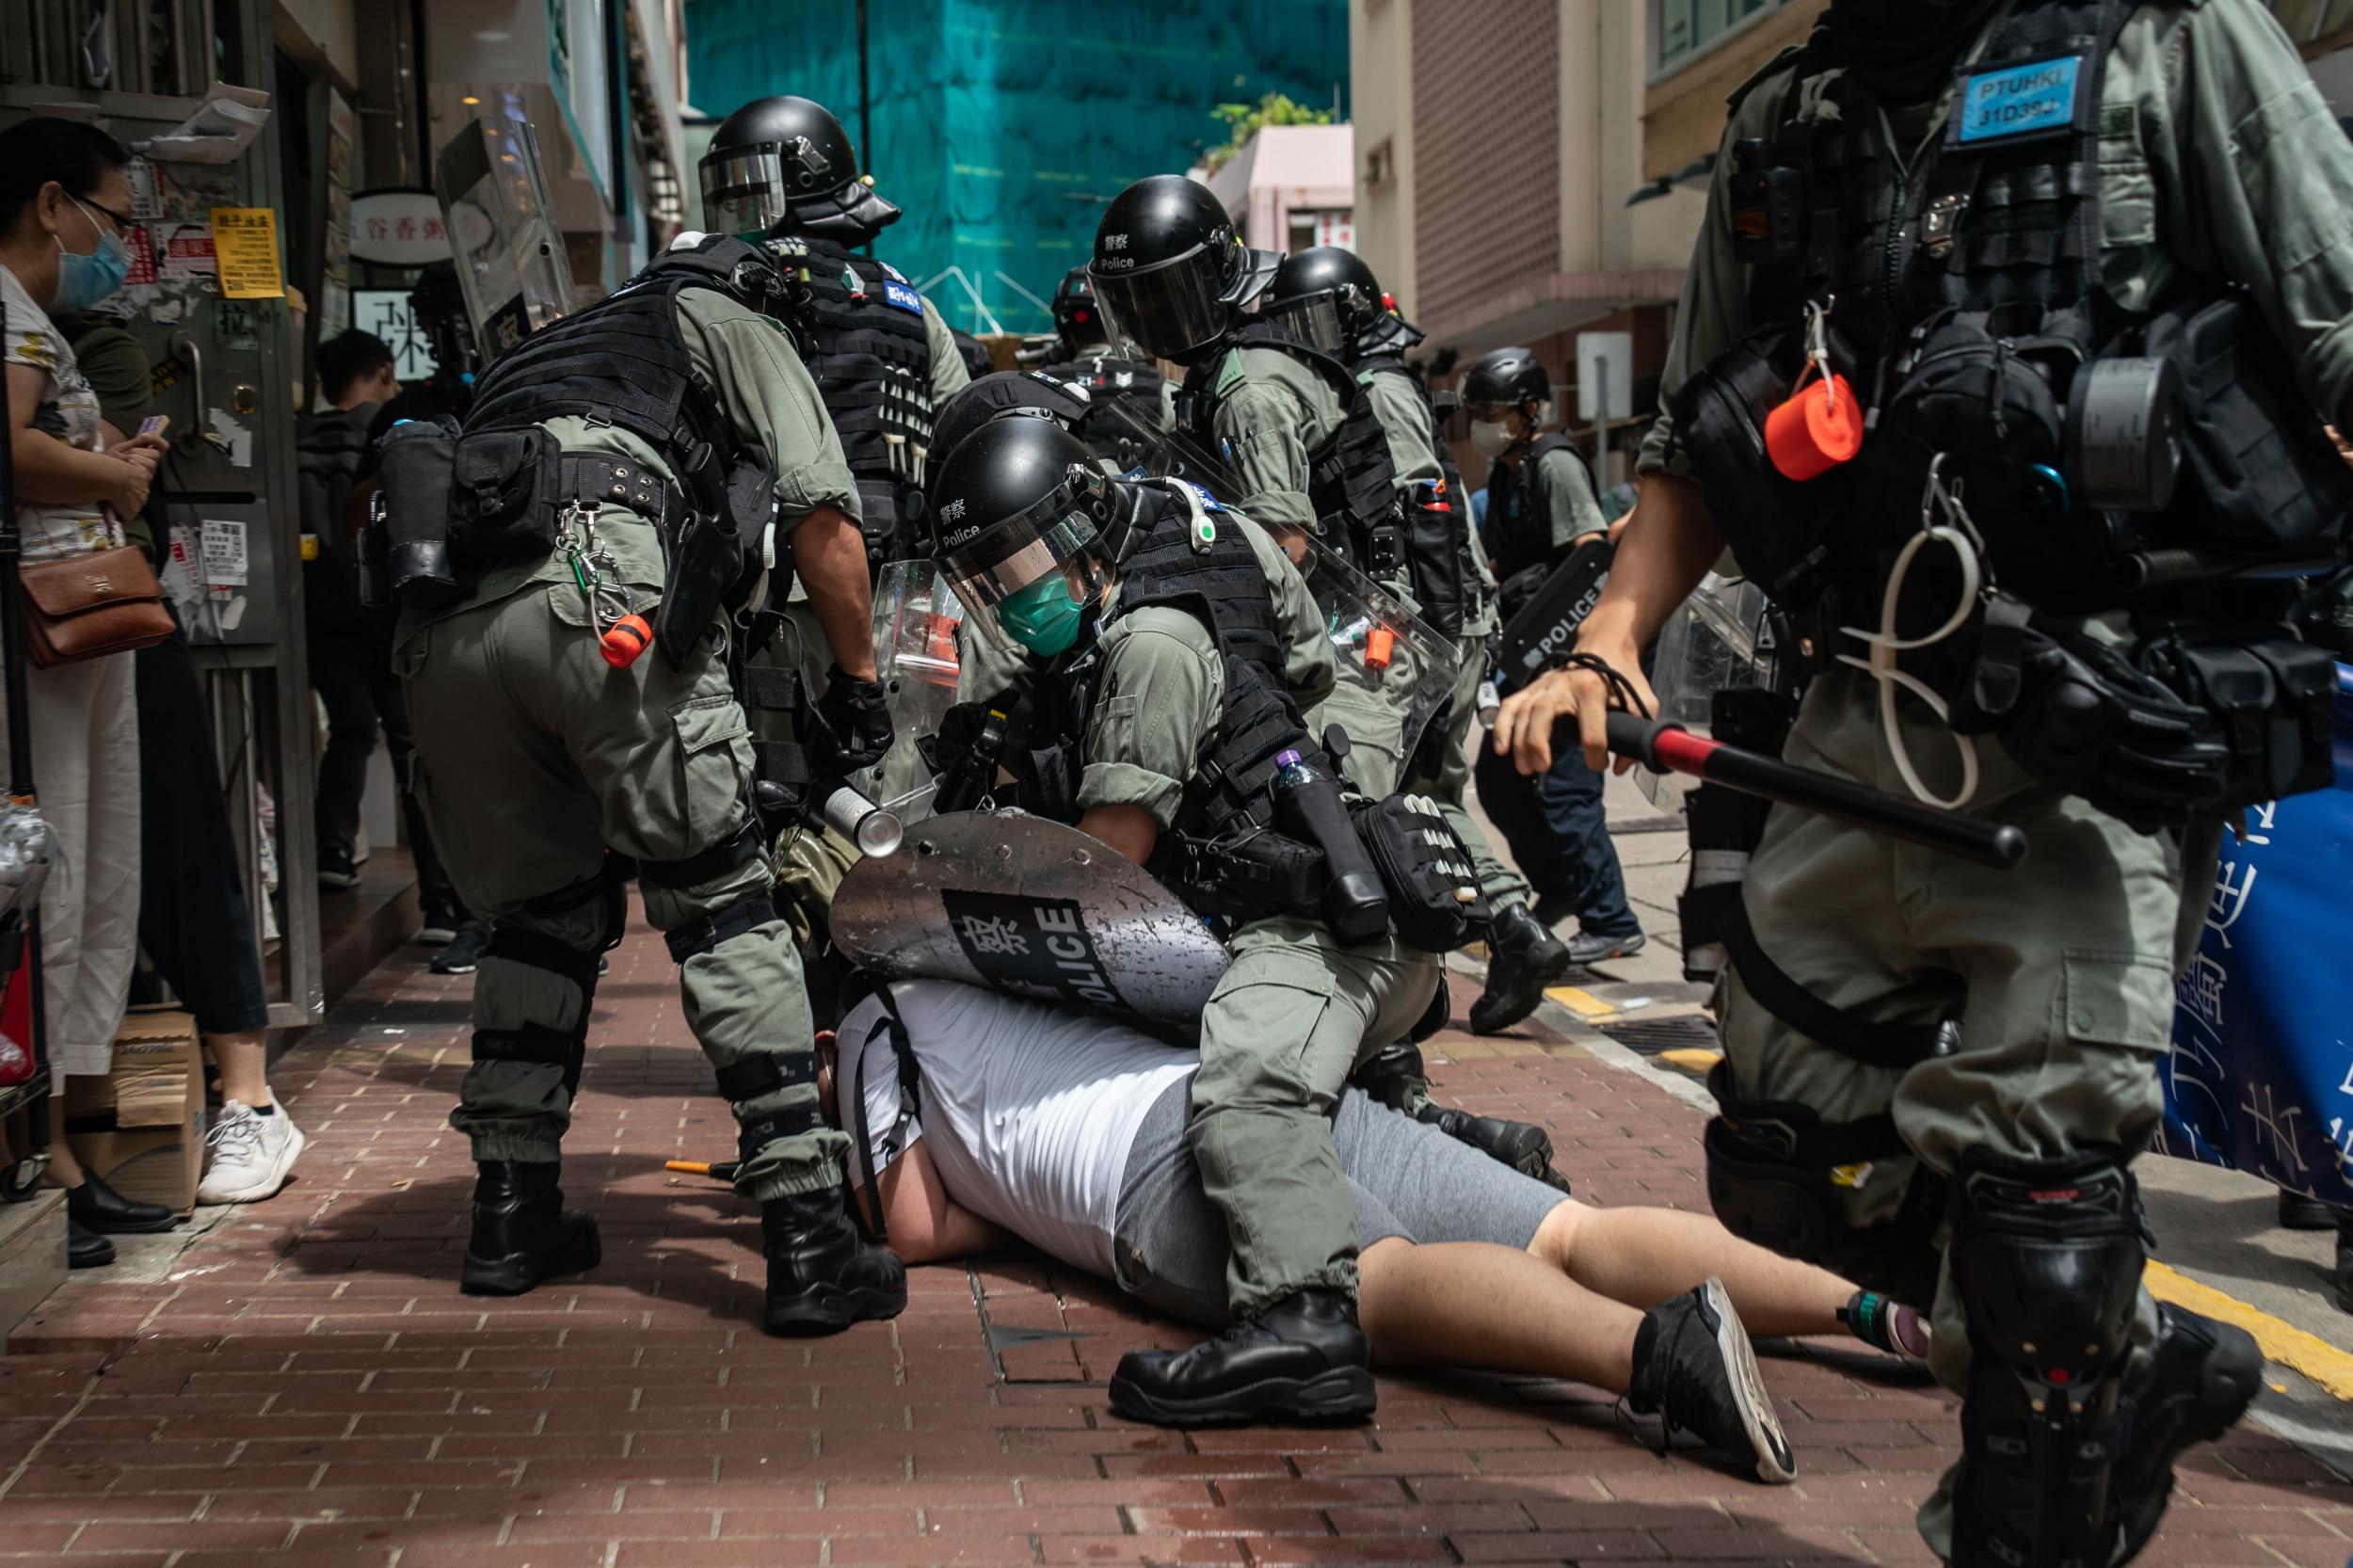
x,y
64,1169
1646,1256
1472,1304
244,1061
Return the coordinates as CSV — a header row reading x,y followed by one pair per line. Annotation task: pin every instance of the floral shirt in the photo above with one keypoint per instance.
x,y
68,411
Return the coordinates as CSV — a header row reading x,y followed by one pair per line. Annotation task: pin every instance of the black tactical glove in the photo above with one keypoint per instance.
x,y
852,726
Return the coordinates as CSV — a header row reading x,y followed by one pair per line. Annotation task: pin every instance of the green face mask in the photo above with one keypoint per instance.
x,y
1042,617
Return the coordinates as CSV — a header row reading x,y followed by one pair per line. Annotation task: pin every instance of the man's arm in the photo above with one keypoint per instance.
x,y
1405,426
949,376
829,553
923,1223
1573,512
1260,430
1162,689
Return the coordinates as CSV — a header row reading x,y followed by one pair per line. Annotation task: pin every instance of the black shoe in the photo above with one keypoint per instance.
x,y
95,1206
337,870
823,1277
1587,947
1394,1074
1302,1359
2298,1212
1523,959
441,927
1522,1145
522,1233
2194,1384
464,953
85,1249
1694,1371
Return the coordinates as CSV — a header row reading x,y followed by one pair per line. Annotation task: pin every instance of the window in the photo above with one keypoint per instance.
x,y
1680,30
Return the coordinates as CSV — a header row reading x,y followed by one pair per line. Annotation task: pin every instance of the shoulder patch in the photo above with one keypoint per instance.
x,y
890,271
902,295
1231,371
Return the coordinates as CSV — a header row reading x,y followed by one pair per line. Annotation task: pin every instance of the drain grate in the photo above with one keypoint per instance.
x,y
1654,1036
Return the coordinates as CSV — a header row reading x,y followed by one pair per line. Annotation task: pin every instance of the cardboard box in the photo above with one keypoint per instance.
x,y
140,1129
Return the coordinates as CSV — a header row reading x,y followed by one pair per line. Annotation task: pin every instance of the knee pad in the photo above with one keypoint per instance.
x,y
2046,1258
542,1044
1777,1174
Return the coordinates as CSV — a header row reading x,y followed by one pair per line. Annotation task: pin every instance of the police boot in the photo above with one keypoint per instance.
x,y
1522,959
522,1233
1522,1145
1305,1358
822,1274
2194,1384
1395,1076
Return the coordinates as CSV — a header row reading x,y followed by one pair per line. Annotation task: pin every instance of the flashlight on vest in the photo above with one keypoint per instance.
x,y
625,641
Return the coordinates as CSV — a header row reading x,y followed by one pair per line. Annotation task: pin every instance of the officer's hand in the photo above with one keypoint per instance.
x,y
853,725
1523,729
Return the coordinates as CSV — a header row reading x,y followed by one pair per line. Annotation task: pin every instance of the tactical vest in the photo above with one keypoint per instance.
x,y
1966,301
1518,528
861,327
1351,483
1132,386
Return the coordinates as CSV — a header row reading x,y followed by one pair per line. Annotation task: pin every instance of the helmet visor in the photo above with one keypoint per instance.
x,y
1313,318
743,190
1172,309
1025,583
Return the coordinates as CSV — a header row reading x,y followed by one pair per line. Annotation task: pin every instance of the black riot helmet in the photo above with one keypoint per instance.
x,y
1326,297
1507,378
1171,270
1077,319
1005,394
1020,511
784,166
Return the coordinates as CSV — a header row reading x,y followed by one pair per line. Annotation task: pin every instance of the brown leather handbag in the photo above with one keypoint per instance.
x,y
88,606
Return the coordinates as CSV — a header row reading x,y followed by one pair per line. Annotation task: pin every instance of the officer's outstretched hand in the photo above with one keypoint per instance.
x,y
1524,729
853,725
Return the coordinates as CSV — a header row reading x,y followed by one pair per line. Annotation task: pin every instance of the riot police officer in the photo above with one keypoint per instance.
x,y
1938,239
1168,653
1115,381
1541,507
639,458
1307,451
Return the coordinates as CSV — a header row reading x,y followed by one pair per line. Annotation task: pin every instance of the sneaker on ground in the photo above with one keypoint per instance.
x,y
439,928
464,952
1587,947
1887,1325
1694,1369
252,1154
337,868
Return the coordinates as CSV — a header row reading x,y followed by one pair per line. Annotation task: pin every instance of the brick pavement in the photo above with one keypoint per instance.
x,y
308,1388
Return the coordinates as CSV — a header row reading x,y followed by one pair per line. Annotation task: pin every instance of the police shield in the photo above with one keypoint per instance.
x,y
1542,631
510,258
916,619
1028,906
1719,638
1394,671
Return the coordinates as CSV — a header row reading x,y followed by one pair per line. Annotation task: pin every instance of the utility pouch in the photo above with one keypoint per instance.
x,y
1385,549
1435,899
705,565
1433,543
2270,699
503,496
1251,877
405,549
1768,204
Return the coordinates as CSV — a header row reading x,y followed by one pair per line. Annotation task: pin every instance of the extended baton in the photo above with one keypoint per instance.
x,y
1667,747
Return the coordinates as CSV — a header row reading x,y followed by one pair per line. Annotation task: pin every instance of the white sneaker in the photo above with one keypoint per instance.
x,y
252,1154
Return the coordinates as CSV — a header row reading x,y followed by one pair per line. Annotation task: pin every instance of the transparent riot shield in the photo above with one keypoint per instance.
x,y
1022,904
915,617
511,265
1715,640
1394,671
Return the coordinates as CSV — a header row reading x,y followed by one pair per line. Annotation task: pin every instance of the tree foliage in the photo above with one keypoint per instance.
x,y
1246,120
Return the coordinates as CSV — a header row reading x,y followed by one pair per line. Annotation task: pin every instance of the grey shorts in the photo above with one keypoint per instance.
x,y
1409,1180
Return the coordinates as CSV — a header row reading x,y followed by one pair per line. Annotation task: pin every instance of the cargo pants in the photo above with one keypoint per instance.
x,y
537,757
2061,972
1282,1031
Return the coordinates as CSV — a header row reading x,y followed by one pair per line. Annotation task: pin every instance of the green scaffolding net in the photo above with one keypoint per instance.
x,y
1002,128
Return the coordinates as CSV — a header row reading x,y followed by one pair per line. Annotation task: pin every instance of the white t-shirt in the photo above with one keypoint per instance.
x,y
1029,1111
68,411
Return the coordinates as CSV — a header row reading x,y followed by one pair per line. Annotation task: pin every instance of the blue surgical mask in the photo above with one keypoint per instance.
x,y
84,282
1043,617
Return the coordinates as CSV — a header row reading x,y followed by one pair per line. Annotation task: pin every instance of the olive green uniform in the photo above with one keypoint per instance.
x,y
1570,509
1272,410
2218,158
537,757
1405,421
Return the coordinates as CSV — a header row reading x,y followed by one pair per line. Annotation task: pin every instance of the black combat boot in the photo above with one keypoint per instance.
x,y
2192,1386
822,1274
1523,959
1694,1371
522,1233
1522,1145
1302,1359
